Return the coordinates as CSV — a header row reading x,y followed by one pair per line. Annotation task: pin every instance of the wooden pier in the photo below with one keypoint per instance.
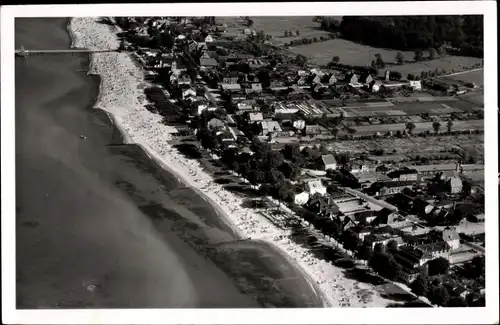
x,y
25,53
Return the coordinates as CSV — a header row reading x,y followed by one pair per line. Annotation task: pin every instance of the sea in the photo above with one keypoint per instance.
x,y
100,225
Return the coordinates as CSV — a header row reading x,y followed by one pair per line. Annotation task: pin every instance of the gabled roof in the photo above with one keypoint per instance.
x,y
208,62
328,159
398,173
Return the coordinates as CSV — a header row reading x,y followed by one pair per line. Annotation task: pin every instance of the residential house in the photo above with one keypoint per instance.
x,y
382,188
255,117
332,80
208,63
385,217
454,185
404,174
256,63
245,106
412,262
209,39
374,239
416,84
299,124
316,186
436,249
366,179
328,162
365,79
192,46
215,124
313,130
323,206
276,85
451,237
184,80
348,222
366,216
301,198
254,88
231,87
189,92
422,208
353,80
402,201
427,171
230,80
270,126
374,86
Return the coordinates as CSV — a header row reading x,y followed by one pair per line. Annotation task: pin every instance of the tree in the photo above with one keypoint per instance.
x,y
392,246
400,58
457,302
297,33
379,61
418,55
336,59
350,240
366,252
301,60
250,23
286,33
439,265
432,53
420,286
449,125
436,126
396,75
438,295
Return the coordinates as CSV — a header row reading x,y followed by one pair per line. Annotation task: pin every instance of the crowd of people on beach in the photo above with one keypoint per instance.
x,y
121,96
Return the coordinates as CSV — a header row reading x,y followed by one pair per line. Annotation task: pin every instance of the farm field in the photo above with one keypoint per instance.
x,y
419,127
476,98
476,76
407,108
473,142
357,54
277,25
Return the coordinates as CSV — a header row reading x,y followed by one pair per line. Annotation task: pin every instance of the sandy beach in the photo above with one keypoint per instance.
x,y
119,93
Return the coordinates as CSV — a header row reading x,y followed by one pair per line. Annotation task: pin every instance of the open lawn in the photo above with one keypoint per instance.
x,y
387,109
476,76
357,54
277,25
474,142
476,98
419,127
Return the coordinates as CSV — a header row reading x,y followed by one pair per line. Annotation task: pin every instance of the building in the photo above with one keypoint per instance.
x,y
301,198
436,249
404,174
208,62
254,88
270,126
316,186
382,188
328,162
255,117
451,237
427,171
323,206
454,185
385,217
209,39
422,208
416,84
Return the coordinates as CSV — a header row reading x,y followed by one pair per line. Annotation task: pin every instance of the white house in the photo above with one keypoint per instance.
x,y
301,198
299,124
451,237
315,186
188,92
415,84
328,162
209,39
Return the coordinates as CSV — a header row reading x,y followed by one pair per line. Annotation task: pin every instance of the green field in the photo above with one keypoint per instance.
x,y
357,54
276,26
476,76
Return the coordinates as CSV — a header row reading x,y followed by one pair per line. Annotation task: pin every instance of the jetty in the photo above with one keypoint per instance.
x,y
24,53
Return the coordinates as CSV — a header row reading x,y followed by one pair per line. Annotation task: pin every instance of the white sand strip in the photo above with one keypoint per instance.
x,y
119,96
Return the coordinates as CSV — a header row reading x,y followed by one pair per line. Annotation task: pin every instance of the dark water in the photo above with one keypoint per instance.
x,y
100,225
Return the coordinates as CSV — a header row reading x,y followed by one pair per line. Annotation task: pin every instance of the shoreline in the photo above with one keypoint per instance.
x,y
118,93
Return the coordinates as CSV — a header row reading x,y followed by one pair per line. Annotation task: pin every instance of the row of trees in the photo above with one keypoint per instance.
x,y
464,33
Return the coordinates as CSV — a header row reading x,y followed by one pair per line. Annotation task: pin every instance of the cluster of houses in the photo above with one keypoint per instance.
x,y
387,207
381,205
